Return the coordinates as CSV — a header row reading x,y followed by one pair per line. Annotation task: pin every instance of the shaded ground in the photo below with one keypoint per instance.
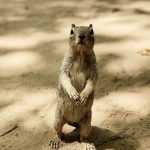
x,y
33,41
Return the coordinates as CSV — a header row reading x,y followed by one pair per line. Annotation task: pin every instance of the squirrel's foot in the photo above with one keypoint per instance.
x,y
88,146
85,144
56,142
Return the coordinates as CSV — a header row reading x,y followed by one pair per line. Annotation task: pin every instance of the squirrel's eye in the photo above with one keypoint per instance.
x,y
91,31
71,32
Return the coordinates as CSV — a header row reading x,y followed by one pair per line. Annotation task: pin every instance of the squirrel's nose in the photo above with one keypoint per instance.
x,y
81,37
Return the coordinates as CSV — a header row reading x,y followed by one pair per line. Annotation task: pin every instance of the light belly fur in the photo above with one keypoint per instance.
x,y
70,110
78,75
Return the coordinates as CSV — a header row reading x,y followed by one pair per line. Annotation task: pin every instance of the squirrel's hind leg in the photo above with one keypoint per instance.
x,y
85,126
59,122
85,129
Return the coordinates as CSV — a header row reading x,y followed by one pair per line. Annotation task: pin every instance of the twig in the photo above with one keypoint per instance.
x,y
10,130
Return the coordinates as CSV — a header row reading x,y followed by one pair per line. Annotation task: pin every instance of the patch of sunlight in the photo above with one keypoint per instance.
x,y
121,106
136,100
32,121
131,64
98,112
7,98
143,5
27,103
118,25
18,0
13,18
27,39
16,63
128,61
126,47
58,3
37,98
109,26
22,41
144,142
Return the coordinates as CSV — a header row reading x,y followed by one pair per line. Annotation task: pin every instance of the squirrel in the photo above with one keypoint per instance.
x,y
78,76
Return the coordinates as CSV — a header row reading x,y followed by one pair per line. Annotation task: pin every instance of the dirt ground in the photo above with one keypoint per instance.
x,y
33,41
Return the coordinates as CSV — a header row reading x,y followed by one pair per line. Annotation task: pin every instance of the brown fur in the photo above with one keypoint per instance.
x,y
78,76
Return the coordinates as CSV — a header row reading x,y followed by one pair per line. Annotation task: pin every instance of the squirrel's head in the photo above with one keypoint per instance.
x,y
82,38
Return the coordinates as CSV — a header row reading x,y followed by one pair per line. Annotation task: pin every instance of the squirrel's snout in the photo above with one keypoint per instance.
x,y
81,37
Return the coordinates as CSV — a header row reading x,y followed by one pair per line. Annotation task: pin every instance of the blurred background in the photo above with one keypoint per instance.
x,y
33,40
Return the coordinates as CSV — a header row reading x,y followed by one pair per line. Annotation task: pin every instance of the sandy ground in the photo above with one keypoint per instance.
x,y
33,40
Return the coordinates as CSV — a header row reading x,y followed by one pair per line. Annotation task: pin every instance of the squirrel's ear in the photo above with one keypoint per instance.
x,y
91,26
73,26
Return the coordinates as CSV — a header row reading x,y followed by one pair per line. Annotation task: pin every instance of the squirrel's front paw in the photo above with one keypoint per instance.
x,y
73,94
83,97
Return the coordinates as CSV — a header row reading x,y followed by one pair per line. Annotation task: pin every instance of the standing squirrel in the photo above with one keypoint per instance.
x,y
78,77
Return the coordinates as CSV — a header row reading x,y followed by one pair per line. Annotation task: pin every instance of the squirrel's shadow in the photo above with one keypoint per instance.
x,y
103,138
